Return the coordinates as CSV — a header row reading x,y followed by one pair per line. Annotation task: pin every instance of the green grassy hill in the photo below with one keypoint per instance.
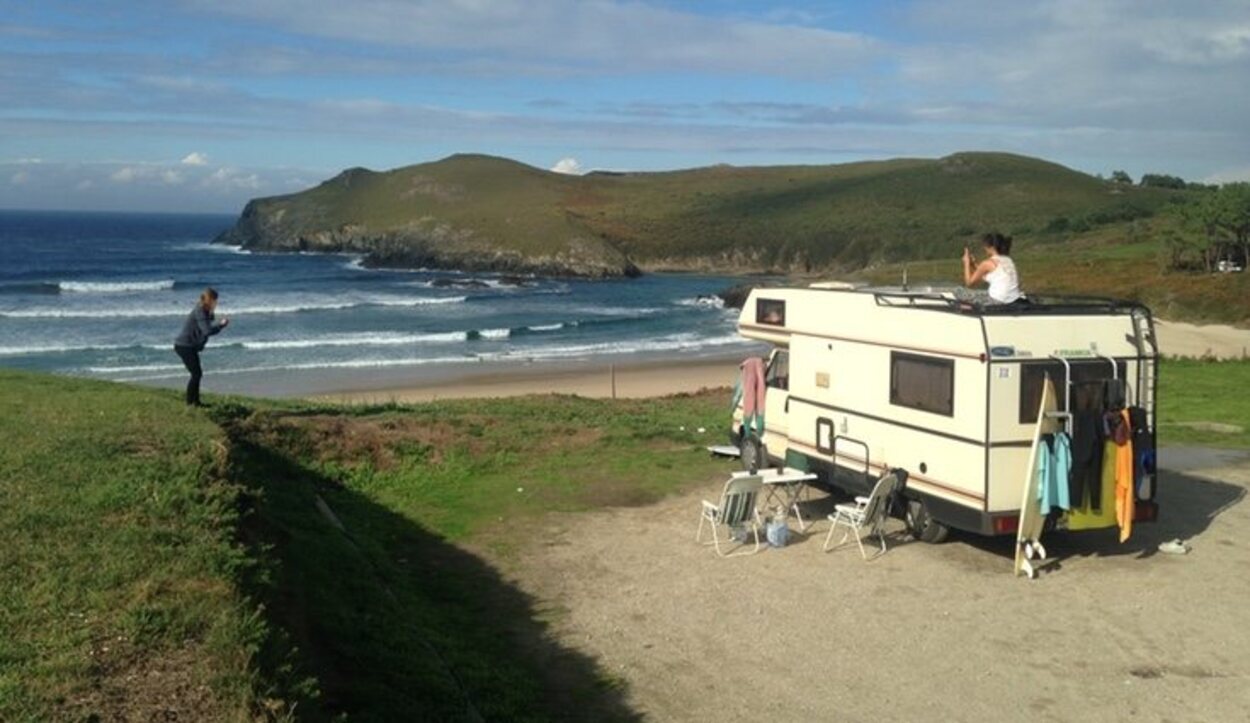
x,y
1121,260
480,212
289,560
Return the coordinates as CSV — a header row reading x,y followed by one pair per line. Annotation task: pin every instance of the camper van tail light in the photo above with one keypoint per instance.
x,y
1003,525
1145,512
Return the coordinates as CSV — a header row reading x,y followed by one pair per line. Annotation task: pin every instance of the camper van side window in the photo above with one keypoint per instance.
x,y
770,311
922,382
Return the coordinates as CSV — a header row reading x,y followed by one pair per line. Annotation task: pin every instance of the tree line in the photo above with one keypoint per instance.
x,y
1214,226
1160,180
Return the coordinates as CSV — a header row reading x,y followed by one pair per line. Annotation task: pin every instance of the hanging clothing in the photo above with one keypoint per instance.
x,y
1113,395
1143,447
1116,426
1085,516
1054,463
751,382
1085,477
1124,486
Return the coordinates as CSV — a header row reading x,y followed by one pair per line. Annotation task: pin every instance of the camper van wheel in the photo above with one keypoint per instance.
x,y
922,525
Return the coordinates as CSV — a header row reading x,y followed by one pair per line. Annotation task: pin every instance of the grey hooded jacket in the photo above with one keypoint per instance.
x,y
197,328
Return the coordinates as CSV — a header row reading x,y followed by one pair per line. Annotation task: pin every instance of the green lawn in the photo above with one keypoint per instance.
x,y
1199,398
287,559
117,556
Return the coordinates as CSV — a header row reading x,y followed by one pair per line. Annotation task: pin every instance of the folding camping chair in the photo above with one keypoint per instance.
x,y
737,508
866,516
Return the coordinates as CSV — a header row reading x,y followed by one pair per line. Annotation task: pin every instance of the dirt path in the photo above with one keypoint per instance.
x,y
925,632
1223,342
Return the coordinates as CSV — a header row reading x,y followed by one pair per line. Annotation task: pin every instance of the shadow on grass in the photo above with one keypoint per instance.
x,y
377,618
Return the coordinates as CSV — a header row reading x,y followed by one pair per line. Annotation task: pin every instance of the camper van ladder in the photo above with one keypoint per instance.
x,y
1145,341
1066,414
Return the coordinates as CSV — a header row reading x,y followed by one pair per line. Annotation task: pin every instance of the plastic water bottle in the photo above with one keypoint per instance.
x,y
778,532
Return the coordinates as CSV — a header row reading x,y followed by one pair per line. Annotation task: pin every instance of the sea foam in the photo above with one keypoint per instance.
x,y
114,287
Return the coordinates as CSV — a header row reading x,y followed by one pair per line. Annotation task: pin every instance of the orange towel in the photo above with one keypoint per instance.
x,y
1124,503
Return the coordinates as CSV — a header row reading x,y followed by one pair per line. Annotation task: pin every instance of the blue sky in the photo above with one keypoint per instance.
x,y
198,105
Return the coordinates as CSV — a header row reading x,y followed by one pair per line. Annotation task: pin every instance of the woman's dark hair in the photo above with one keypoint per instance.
x,y
1000,243
209,294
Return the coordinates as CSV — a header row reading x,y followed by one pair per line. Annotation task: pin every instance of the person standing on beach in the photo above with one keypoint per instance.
x,y
200,325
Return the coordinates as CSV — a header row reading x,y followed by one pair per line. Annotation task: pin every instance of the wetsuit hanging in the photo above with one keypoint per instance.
x,y
1085,475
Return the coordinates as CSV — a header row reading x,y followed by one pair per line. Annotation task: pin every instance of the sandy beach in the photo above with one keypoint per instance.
x,y
634,379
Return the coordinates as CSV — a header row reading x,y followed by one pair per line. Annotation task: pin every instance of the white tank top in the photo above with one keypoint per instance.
x,y
1004,283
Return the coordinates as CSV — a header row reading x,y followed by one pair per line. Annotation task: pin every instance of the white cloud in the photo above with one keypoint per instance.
x,y
1229,175
232,179
144,186
147,173
126,174
568,165
195,158
572,35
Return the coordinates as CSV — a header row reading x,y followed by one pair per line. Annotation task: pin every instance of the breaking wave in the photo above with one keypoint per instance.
x,y
44,313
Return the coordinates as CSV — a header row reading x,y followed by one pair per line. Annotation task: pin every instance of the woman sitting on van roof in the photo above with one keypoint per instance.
x,y
998,270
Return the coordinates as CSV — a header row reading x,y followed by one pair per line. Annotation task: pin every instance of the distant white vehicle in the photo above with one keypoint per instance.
x,y
865,379
1227,267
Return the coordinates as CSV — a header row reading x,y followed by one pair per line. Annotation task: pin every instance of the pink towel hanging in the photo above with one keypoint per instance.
x,y
753,388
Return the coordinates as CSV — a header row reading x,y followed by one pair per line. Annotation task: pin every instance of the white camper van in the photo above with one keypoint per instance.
x,y
861,379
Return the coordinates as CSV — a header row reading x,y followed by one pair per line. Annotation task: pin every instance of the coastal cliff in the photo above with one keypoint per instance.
x,y
430,216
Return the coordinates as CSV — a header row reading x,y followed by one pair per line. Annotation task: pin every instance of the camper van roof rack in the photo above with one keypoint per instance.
x,y
960,301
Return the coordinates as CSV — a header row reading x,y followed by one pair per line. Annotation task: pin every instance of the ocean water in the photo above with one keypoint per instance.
x,y
103,295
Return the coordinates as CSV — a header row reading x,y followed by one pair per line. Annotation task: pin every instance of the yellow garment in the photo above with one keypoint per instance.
x,y
1084,516
1124,506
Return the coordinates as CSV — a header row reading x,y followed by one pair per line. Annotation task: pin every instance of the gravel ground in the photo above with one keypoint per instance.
x,y
925,632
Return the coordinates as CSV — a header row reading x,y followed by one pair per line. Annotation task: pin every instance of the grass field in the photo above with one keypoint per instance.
x,y
1204,403
118,557
177,563
288,559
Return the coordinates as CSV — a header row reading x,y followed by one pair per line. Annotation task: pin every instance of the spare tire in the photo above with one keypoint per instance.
x,y
754,453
